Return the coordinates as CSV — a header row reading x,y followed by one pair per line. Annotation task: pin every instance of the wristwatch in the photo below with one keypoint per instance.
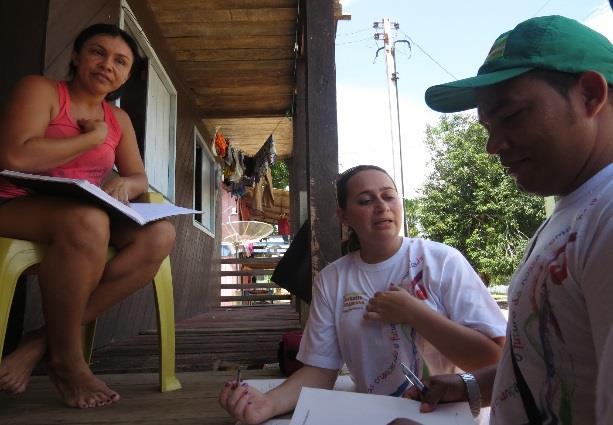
x,y
473,391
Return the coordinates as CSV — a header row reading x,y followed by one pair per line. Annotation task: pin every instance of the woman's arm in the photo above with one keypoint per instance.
x,y
467,348
249,406
23,145
132,180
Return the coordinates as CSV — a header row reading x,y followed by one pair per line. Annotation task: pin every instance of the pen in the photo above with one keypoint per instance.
x,y
413,379
238,376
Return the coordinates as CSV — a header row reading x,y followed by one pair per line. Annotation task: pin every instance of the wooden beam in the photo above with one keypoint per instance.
x,y
322,134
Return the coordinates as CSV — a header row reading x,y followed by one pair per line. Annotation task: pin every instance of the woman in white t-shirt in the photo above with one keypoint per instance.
x,y
390,300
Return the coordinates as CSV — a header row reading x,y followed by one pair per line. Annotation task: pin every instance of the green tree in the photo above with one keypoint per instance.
x,y
280,174
469,202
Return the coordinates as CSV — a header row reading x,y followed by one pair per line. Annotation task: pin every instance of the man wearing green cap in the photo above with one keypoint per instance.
x,y
545,95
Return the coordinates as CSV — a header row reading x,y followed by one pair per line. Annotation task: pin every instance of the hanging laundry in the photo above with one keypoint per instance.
x,y
264,158
219,145
283,225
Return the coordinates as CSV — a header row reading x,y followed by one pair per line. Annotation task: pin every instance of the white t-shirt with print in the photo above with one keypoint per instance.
x,y
560,310
337,332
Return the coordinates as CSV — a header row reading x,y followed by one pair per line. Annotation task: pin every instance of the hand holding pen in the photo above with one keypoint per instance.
x,y
414,380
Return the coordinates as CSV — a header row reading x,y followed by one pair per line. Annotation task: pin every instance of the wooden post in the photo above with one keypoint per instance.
x,y
321,131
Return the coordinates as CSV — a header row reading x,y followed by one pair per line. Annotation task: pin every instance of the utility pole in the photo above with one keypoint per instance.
x,y
389,46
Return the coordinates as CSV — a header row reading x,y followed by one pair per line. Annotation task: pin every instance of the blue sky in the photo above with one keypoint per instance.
x,y
458,35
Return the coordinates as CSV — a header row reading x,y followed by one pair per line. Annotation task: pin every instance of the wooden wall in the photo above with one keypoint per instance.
x,y
195,258
25,21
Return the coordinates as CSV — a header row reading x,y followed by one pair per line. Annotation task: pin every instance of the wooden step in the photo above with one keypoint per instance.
x,y
250,286
250,261
254,297
255,272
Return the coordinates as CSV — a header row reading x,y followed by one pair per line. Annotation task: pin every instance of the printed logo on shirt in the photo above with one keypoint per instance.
x,y
354,301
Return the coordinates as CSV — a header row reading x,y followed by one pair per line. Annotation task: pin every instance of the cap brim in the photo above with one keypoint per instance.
x,y
461,95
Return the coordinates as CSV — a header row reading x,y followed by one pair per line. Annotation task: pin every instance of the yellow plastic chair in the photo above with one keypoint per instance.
x,y
16,256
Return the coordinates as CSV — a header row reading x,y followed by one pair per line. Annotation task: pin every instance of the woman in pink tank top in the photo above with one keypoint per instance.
x,y
68,129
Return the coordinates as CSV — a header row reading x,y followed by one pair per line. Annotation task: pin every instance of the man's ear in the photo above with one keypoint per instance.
x,y
593,91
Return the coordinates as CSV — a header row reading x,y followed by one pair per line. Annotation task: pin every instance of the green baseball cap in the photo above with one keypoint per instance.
x,y
548,42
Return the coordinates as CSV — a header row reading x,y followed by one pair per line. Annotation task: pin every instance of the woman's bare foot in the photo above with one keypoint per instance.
x,y
16,368
78,386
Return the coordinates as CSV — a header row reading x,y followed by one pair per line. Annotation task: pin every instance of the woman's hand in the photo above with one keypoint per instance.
x,y
118,188
97,127
395,305
245,403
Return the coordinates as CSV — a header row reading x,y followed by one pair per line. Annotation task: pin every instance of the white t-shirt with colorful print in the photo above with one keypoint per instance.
x,y
561,310
337,332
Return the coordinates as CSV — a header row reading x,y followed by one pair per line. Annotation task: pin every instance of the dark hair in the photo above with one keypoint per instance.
x,y
113,31
352,243
561,82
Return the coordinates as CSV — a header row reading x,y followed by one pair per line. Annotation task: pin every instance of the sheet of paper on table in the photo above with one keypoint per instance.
x,y
326,407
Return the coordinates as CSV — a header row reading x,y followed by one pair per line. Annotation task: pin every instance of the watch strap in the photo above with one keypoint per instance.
x,y
473,391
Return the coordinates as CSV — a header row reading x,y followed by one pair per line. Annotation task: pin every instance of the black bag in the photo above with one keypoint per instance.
x,y
294,270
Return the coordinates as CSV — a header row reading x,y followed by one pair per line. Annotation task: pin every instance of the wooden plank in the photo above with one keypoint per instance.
x,y
238,81
250,261
245,286
160,5
255,297
254,16
237,42
240,103
215,55
217,29
193,68
282,90
255,272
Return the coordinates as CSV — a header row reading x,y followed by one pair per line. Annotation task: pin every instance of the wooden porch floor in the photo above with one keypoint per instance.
x,y
223,338
141,402
209,347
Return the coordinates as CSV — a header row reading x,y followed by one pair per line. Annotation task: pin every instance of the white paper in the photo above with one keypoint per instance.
x,y
152,212
343,383
141,213
325,407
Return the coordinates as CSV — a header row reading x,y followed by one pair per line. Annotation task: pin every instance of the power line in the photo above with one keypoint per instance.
x,y
542,7
353,33
429,56
354,41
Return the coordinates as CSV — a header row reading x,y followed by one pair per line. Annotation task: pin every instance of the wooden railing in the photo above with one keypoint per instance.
x,y
252,292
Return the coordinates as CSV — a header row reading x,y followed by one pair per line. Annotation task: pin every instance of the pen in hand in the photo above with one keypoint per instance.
x,y
413,379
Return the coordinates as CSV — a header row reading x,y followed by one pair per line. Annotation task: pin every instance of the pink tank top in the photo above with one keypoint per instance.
x,y
92,165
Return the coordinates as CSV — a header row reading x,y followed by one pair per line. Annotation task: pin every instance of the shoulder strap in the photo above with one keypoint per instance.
x,y
534,417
